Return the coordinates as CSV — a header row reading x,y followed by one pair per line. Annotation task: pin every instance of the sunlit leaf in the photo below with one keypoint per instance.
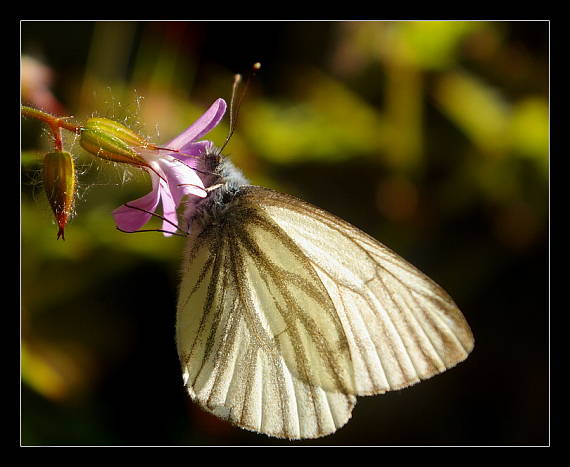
x,y
476,108
530,129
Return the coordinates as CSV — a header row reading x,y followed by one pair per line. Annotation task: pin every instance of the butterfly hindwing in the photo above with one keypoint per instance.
x,y
258,335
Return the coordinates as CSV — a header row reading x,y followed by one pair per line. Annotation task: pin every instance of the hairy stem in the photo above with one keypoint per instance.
x,y
55,123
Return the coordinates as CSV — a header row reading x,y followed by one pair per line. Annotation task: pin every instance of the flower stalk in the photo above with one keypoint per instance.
x,y
55,124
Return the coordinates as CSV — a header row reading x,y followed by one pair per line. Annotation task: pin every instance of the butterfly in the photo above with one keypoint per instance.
x,y
286,313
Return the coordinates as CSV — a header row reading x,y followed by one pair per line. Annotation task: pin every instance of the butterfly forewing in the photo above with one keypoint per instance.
x,y
400,325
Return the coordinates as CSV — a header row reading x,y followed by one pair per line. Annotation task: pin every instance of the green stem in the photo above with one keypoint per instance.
x,y
51,120
55,124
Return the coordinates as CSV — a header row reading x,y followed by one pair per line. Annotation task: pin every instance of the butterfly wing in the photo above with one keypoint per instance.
x,y
286,312
259,339
400,325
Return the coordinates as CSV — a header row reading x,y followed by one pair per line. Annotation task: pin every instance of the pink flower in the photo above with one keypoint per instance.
x,y
174,176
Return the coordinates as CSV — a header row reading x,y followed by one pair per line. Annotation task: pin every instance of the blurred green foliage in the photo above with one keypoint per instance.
x,y
431,136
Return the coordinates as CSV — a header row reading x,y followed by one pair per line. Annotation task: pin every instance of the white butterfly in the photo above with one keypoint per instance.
x,y
286,313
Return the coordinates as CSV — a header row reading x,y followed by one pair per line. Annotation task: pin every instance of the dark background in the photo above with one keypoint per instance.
x,y
430,136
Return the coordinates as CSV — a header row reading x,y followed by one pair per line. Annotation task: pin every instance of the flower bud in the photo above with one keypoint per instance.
x,y
59,184
112,141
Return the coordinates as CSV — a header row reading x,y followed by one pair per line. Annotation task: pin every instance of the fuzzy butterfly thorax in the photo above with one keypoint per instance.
x,y
222,180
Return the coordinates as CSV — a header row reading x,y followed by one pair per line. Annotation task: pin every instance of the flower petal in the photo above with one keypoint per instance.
x,y
168,209
200,127
182,180
197,149
173,174
130,219
191,153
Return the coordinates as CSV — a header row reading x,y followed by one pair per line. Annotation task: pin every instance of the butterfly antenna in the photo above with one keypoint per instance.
x,y
235,106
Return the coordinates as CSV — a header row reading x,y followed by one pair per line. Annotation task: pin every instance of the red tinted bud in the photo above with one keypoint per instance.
x,y
59,184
